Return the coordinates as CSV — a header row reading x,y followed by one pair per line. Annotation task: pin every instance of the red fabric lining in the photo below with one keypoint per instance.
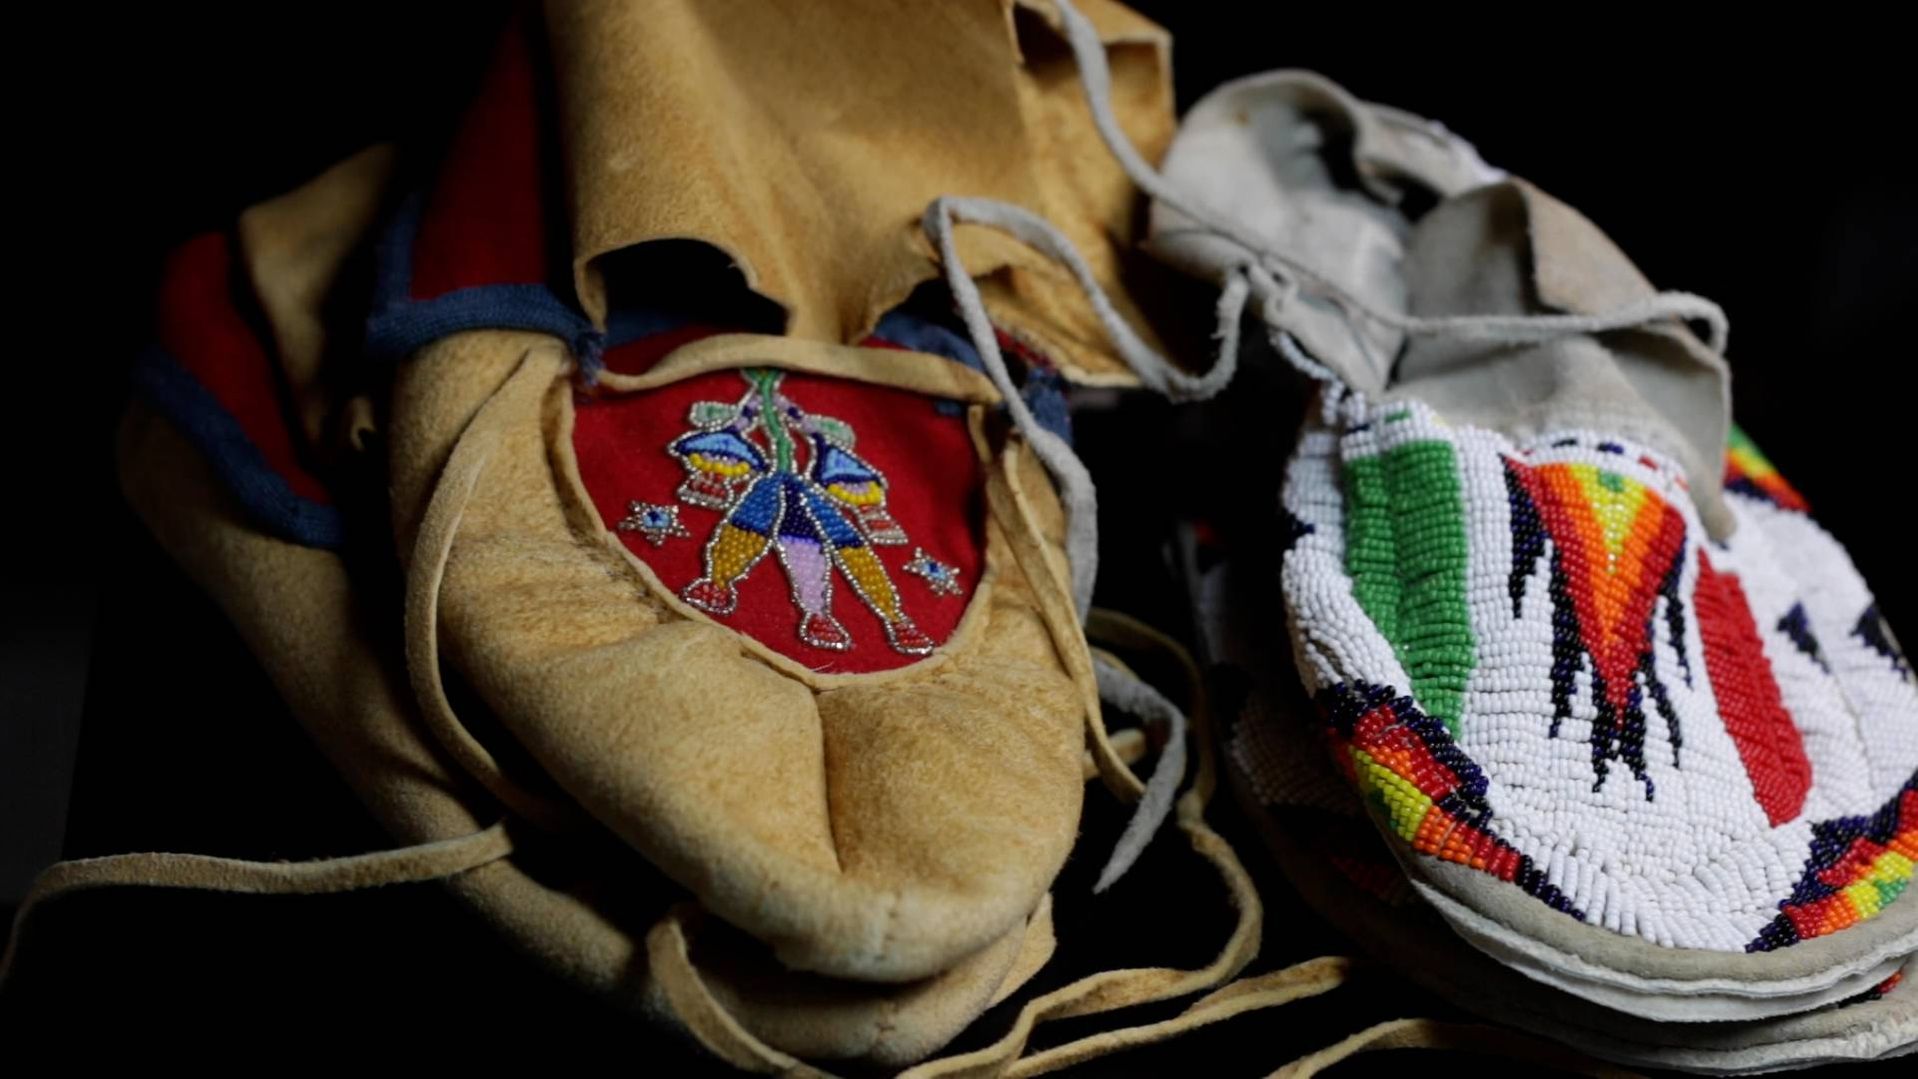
x,y
201,327
935,492
484,222
636,357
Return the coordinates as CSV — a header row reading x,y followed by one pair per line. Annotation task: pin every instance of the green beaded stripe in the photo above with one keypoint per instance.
x,y
1405,551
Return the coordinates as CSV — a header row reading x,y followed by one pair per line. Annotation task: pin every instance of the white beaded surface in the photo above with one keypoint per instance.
x,y
1697,863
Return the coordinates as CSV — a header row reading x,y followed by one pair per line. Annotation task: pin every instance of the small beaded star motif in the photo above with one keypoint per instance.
x,y
940,577
656,522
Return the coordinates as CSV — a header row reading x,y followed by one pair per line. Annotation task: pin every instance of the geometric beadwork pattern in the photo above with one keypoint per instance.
x,y
1857,866
1796,626
1405,765
1616,550
1872,630
1878,992
1834,623
1405,550
1551,610
1748,473
1749,700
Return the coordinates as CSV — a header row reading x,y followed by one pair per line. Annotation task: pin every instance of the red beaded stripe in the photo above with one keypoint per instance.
x,y
1749,703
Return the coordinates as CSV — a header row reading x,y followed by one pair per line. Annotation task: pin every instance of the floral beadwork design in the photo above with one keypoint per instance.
x,y
788,483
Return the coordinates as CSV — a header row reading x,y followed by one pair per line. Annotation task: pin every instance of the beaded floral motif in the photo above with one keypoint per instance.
x,y
1616,550
788,483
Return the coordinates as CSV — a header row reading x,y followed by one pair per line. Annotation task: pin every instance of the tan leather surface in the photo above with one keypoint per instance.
x,y
806,140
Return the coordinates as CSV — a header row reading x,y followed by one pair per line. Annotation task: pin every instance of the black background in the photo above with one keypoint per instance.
x,y
1761,167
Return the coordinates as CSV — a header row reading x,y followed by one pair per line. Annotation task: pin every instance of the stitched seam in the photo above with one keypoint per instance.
x,y
888,927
